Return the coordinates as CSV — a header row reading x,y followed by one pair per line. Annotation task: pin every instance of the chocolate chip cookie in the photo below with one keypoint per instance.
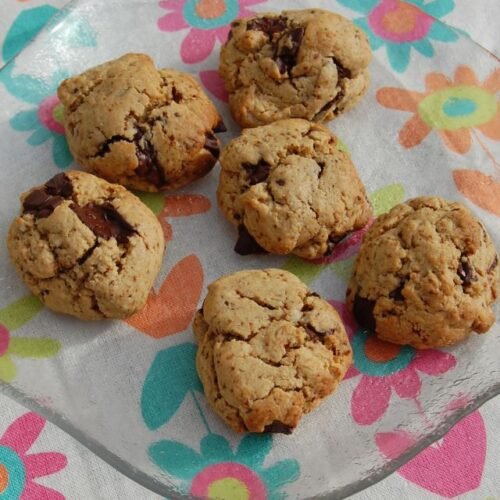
x,y
290,189
310,64
269,350
144,128
86,247
427,275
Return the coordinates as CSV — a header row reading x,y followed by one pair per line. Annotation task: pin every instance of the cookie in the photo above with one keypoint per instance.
x,y
144,128
427,275
86,247
289,189
269,350
310,64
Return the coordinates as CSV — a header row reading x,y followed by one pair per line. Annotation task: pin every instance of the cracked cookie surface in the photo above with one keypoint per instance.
x,y
308,64
426,275
269,350
144,128
86,247
290,190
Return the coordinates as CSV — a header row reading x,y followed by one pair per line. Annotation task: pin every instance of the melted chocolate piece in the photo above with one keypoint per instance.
x,y
176,95
397,293
286,55
493,264
465,272
363,312
307,308
41,204
59,185
257,173
220,127
332,242
246,245
268,25
341,70
212,144
278,427
314,334
148,167
104,221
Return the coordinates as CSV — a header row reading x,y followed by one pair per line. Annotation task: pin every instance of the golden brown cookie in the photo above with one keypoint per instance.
x,y
269,350
310,64
86,247
290,189
427,275
144,128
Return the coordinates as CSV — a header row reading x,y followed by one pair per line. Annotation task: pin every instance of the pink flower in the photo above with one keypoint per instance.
x,y
385,367
208,21
18,469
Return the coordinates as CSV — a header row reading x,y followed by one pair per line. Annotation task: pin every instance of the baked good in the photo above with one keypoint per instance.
x,y
310,64
144,128
86,247
269,350
290,189
427,275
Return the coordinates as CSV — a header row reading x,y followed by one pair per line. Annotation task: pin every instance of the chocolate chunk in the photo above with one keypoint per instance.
x,y
269,25
288,47
40,204
59,185
104,221
176,95
246,245
277,427
328,106
149,166
257,173
314,334
341,70
212,144
397,293
333,241
307,308
363,312
493,264
220,127
465,272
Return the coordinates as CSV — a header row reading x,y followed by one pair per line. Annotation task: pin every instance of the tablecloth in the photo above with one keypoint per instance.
x,y
46,463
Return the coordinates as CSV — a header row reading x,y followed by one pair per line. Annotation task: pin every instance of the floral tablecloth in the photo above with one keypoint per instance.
x,y
38,461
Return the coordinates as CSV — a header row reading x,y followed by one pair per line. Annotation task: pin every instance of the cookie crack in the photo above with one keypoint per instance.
x,y
258,301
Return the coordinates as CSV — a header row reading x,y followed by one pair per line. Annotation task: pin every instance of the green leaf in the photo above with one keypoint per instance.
x,y
171,376
24,28
20,312
343,268
7,368
176,458
154,201
385,198
25,347
305,271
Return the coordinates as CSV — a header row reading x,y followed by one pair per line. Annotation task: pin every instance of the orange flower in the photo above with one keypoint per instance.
x,y
452,107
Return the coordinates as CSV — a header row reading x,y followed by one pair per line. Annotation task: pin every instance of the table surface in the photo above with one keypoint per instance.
x,y
65,469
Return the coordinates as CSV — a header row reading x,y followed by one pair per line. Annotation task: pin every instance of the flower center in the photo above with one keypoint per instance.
x,y
50,114
228,489
210,14
399,21
377,358
402,20
4,340
210,9
227,481
456,106
4,478
380,351
460,106
12,473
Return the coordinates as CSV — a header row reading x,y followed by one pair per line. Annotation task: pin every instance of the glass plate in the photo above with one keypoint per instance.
x,y
128,390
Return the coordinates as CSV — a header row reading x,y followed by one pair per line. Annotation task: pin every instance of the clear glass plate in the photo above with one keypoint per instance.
x,y
129,391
